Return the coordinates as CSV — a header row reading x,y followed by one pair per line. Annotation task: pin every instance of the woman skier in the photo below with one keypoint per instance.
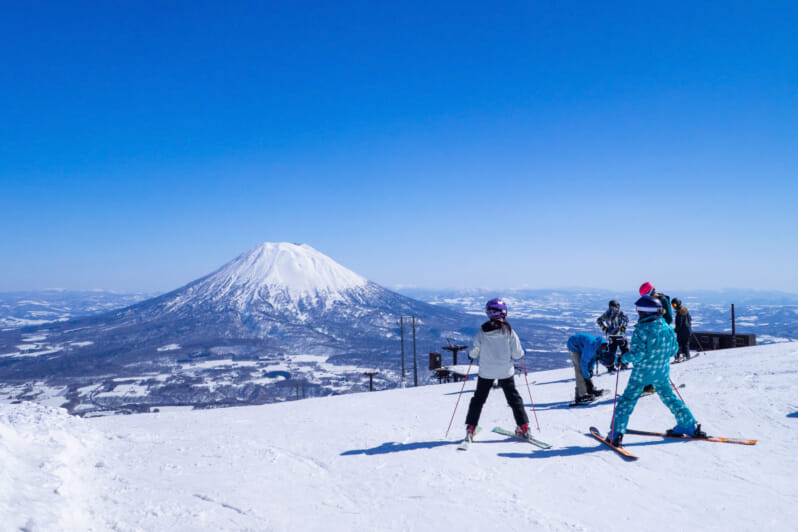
x,y
496,346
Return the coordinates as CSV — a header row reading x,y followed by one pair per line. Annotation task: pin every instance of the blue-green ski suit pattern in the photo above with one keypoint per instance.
x,y
653,345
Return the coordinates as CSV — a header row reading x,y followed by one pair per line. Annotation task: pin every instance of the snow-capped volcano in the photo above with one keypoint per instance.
x,y
226,337
276,274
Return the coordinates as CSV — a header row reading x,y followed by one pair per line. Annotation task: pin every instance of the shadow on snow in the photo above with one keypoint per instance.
x,y
393,447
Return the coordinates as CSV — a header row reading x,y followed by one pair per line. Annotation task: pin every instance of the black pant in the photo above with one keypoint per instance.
x,y
684,345
618,342
510,393
615,342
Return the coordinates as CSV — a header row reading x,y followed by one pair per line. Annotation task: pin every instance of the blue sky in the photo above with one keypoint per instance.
x,y
459,144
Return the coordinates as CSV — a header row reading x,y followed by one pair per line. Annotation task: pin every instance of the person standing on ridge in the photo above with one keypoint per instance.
x,y
585,350
684,328
653,345
496,346
613,323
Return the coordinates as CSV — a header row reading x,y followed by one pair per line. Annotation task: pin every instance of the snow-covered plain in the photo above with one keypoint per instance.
x,y
380,461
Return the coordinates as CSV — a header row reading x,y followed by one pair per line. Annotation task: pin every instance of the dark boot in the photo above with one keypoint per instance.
x,y
582,399
616,438
592,391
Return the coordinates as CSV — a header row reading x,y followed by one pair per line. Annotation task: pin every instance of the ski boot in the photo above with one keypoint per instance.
x,y
522,431
583,399
592,391
616,438
692,431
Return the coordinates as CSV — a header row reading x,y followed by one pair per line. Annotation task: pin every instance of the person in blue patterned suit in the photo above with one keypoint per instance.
x,y
653,345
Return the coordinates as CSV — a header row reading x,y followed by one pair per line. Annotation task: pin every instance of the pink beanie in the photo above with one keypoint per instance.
x,y
646,288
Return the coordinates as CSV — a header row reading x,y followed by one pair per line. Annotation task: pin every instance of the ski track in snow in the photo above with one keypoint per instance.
x,y
380,461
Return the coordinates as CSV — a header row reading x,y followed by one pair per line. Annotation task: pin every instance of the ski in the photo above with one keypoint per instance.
x,y
590,402
680,360
719,439
583,403
620,450
512,434
466,443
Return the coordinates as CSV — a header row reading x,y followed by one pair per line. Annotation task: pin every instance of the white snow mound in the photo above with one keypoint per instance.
x,y
381,461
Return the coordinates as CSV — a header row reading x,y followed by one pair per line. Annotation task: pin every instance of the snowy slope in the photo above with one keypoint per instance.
x,y
380,461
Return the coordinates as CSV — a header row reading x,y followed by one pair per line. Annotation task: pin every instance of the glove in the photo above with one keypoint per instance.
x,y
606,330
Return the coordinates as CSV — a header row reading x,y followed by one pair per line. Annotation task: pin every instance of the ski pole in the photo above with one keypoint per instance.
x,y
675,389
615,399
530,395
458,397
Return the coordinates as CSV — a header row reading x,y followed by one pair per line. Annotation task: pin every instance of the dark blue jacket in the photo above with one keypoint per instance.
x,y
684,324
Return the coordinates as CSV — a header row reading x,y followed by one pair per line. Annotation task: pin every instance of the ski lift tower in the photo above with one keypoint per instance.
x,y
412,319
454,349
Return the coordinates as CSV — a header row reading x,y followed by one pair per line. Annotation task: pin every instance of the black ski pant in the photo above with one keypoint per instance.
x,y
614,342
618,342
684,345
510,393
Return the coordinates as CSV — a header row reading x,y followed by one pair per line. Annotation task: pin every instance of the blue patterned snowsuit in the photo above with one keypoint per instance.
x,y
653,344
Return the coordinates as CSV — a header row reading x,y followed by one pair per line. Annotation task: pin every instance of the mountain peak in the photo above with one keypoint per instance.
x,y
298,269
279,272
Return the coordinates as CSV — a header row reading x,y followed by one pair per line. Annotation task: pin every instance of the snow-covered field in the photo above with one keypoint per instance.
x,y
380,461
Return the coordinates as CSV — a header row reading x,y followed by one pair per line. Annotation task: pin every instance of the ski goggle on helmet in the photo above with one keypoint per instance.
x,y
648,305
496,308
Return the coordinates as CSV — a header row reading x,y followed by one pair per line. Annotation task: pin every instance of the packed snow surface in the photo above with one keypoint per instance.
x,y
381,461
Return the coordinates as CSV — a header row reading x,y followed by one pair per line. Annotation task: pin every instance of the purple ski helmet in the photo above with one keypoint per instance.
x,y
496,308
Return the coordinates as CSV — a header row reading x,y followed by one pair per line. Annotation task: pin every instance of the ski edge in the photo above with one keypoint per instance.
x,y
620,450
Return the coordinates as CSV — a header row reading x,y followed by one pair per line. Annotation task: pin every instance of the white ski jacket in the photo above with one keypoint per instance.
x,y
496,351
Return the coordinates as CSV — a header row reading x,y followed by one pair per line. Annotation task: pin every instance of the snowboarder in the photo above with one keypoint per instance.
x,y
613,323
684,328
585,350
653,344
496,346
